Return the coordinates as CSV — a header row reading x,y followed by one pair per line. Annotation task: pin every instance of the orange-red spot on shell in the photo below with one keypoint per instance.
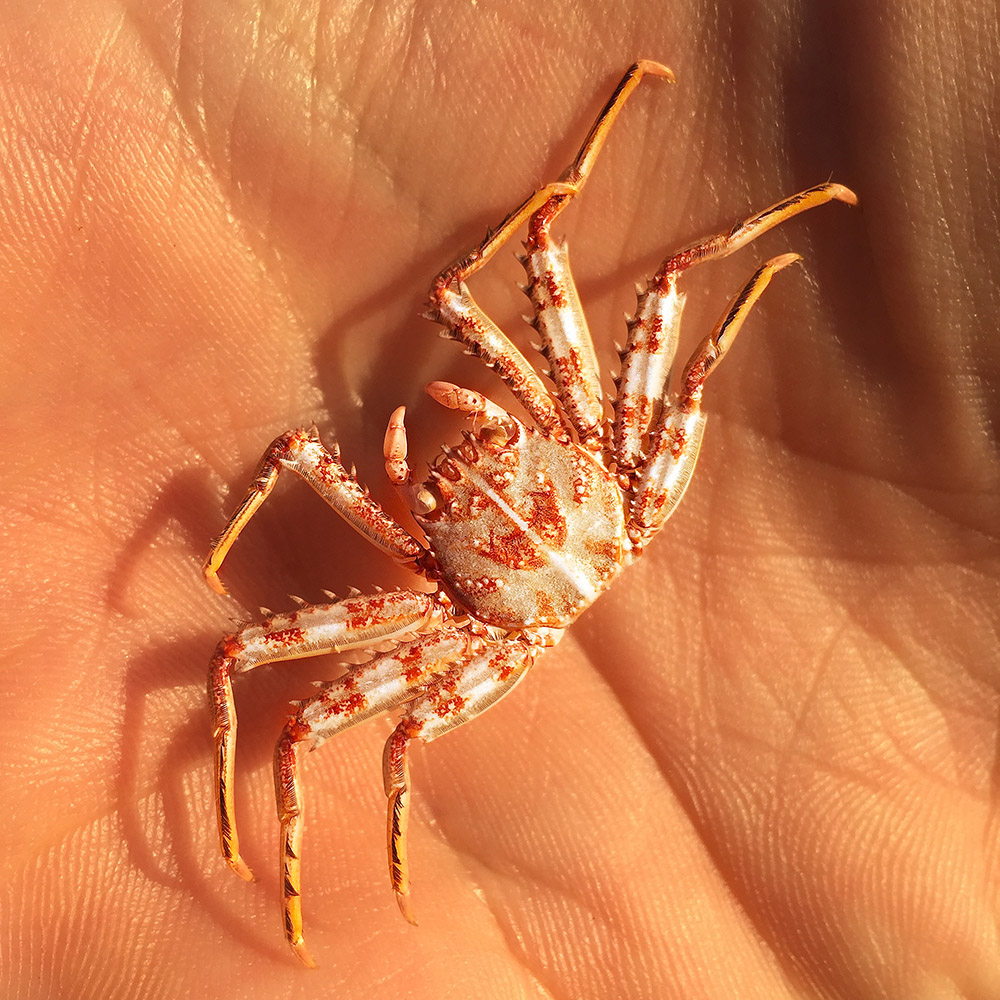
x,y
284,637
678,442
546,518
554,290
514,550
448,706
353,703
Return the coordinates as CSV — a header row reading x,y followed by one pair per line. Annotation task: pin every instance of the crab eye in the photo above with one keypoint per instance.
x,y
497,437
425,502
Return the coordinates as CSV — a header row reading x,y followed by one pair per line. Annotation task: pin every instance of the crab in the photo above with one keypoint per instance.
x,y
525,523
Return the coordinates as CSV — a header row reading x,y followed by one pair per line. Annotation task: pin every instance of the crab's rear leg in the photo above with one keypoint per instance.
x,y
356,622
652,340
676,439
303,453
365,691
460,694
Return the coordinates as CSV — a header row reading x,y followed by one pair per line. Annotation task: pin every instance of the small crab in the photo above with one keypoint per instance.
x,y
526,524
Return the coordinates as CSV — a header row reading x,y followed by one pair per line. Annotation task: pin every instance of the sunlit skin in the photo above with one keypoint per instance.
x,y
762,764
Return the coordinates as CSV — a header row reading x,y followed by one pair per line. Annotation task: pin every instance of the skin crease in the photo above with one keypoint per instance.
x,y
765,763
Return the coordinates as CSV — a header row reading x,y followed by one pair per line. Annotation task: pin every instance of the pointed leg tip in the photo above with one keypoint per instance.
x,y
212,579
777,263
654,68
844,194
302,953
238,865
406,908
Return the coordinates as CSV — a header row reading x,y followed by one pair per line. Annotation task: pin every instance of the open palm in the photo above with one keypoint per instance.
x,y
764,764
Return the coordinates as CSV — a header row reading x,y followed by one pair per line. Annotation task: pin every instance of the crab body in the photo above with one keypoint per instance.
x,y
525,524
526,530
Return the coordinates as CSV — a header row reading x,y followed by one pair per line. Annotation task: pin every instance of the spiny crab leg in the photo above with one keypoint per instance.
x,y
356,622
303,453
366,690
652,339
676,441
571,182
464,320
558,315
452,305
562,326
460,694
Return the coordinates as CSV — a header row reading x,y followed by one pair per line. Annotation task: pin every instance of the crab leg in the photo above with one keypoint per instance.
x,y
460,694
452,305
454,308
676,441
652,339
303,453
560,322
366,690
357,622
570,184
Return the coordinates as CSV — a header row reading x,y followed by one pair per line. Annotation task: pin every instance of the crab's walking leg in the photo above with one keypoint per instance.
x,y
452,305
676,440
466,322
561,324
460,694
652,339
356,622
571,182
303,453
364,691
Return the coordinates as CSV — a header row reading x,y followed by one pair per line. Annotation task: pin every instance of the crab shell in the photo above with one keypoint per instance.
x,y
526,530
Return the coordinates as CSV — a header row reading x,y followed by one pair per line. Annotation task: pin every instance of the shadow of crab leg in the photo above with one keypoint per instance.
x,y
462,693
676,441
652,333
354,623
303,453
366,690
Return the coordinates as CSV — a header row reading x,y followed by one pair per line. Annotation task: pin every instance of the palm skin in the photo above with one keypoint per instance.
x,y
763,765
